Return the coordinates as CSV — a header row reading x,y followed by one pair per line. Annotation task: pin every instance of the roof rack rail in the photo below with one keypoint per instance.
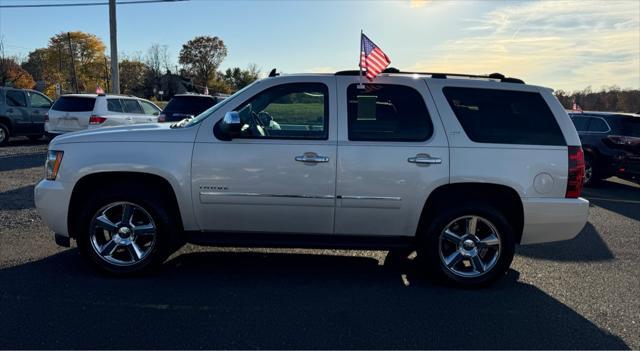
x,y
440,75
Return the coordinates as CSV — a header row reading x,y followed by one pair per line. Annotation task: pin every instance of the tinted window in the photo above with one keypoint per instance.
x,y
39,101
149,109
114,105
190,105
131,106
630,126
387,113
290,111
598,125
504,117
581,123
16,98
74,104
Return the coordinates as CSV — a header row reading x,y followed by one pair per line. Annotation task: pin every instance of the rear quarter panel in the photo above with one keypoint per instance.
x,y
531,170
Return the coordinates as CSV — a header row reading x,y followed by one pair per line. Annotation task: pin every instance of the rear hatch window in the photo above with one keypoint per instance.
x,y
74,104
187,105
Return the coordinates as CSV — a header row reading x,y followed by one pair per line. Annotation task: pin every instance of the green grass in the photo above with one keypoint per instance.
x,y
298,113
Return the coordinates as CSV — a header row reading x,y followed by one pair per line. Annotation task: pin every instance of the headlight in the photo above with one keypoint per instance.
x,y
54,159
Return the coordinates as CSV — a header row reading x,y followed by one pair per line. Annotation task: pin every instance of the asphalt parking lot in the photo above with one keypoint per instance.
x,y
578,294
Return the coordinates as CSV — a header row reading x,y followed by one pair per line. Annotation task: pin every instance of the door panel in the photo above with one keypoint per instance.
x,y
382,185
261,181
18,111
39,106
262,188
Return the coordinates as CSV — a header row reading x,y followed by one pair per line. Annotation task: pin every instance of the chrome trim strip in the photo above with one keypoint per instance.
x,y
303,196
358,197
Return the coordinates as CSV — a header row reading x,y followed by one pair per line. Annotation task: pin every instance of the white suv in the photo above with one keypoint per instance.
x,y
74,112
460,168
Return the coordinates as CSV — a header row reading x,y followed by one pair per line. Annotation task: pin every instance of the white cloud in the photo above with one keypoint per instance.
x,y
561,44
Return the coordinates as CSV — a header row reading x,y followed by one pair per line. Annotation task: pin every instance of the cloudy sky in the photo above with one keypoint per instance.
x,y
565,45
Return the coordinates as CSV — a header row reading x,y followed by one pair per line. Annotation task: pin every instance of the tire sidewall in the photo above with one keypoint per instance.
x,y
430,244
165,228
4,141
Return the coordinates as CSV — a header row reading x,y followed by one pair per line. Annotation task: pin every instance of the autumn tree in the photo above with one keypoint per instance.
x,y
201,58
238,78
11,74
66,52
132,77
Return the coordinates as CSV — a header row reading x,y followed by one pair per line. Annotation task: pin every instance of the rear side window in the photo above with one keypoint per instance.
x,y
149,109
16,98
581,123
74,104
598,125
131,106
504,117
387,113
114,105
630,126
190,105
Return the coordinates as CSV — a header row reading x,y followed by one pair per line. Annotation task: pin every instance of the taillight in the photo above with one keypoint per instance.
x,y
162,117
46,116
575,181
96,120
623,140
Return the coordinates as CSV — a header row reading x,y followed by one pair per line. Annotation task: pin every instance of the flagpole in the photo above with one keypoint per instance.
x,y
360,86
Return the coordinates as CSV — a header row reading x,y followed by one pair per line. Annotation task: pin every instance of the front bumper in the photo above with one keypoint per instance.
x,y
552,219
52,201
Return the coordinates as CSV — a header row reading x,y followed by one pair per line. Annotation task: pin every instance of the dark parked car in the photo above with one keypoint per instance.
x,y
22,113
611,144
184,106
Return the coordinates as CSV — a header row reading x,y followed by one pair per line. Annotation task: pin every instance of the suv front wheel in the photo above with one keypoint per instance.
x,y
4,135
468,246
126,230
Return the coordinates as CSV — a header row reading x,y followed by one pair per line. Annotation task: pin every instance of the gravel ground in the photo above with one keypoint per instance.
x,y
578,294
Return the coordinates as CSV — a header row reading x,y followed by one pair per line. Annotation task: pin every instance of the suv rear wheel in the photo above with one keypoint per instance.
x,y
126,230
468,246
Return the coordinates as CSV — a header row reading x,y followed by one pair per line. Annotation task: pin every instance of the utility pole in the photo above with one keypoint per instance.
x,y
73,64
106,73
115,74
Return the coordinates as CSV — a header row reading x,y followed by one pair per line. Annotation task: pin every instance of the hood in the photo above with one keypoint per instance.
x,y
149,132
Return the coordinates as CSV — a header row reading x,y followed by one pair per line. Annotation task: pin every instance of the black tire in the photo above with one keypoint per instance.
x,y
429,244
591,166
167,237
4,134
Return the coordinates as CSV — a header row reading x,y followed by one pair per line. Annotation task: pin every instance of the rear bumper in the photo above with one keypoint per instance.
x,y
52,201
52,130
550,219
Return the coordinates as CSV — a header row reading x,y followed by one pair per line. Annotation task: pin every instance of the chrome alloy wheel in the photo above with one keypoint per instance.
x,y
122,233
3,135
588,171
469,246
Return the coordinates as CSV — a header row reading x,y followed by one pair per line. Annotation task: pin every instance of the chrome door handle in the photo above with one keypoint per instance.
x,y
311,157
425,159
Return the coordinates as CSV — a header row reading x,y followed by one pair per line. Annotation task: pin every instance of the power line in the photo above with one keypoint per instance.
x,y
89,4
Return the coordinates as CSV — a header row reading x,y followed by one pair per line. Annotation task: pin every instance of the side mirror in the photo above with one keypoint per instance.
x,y
230,124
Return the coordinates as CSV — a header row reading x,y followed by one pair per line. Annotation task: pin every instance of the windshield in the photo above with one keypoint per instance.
x,y
201,117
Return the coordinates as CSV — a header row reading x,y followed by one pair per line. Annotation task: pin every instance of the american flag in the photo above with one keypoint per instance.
x,y
372,59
